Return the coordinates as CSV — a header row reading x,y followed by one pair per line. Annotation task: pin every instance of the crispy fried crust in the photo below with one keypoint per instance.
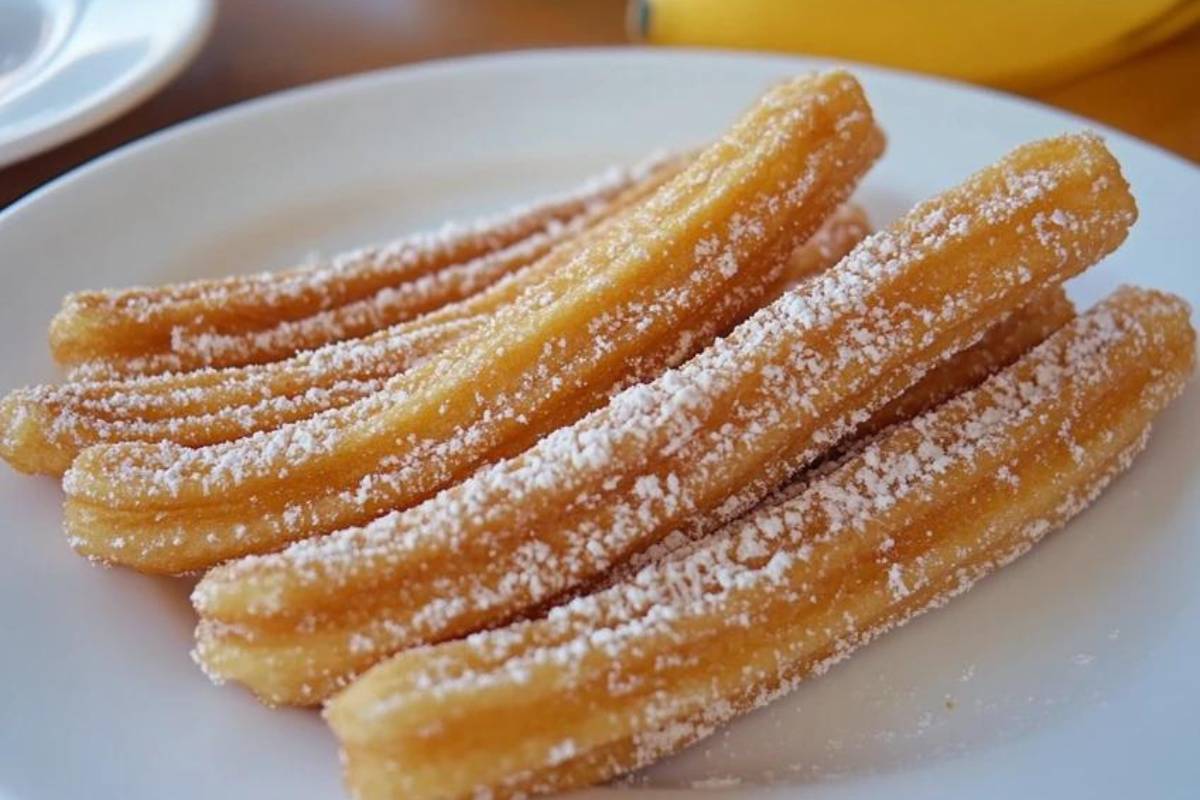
x,y
696,447
616,680
43,428
256,318
697,256
301,668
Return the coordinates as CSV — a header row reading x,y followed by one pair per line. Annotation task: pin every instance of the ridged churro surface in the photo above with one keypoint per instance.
x,y
696,447
613,681
530,504
43,428
687,263
249,319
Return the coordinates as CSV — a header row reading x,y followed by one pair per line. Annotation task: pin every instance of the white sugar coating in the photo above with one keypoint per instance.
x,y
796,542
211,405
197,342
717,782
401,261
621,613
896,583
158,407
568,509
388,306
161,471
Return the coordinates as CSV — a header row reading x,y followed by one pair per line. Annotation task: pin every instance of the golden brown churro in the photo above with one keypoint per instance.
x,y
533,504
736,620
283,669
43,428
696,256
698,445
1000,346
356,293
1003,343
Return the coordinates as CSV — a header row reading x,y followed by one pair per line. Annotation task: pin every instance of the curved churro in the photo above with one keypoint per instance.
x,y
699,254
613,681
1003,343
43,428
356,293
699,445
283,669
1000,346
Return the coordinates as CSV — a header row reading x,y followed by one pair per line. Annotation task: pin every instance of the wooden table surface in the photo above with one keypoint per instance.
x,y
261,46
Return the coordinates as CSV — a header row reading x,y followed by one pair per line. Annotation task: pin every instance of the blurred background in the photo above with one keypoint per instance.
x,y
1133,64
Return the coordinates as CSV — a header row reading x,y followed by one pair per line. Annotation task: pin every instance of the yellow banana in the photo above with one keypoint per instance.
x,y
1016,44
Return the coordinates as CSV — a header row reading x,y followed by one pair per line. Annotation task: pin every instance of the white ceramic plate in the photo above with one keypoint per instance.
x,y
67,66
1070,674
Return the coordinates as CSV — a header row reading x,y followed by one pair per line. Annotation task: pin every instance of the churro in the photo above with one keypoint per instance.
x,y
698,254
184,326
289,669
1003,343
611,682
43,428
534,503
1000,346
699,445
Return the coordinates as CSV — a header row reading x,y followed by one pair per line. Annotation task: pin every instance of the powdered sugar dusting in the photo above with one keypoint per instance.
x,y
46,426
724,589
202,322
418,461
691,450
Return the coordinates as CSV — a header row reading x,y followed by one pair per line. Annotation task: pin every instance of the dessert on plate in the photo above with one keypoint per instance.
x,y
531,503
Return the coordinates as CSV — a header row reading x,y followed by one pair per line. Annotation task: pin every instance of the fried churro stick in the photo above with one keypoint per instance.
x,y
373,286
614,681
43,428
697,446
294,669
1000,346
1004,343
699,254
196,347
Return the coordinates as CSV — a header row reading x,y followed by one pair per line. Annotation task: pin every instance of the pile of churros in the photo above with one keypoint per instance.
x,y
532,503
